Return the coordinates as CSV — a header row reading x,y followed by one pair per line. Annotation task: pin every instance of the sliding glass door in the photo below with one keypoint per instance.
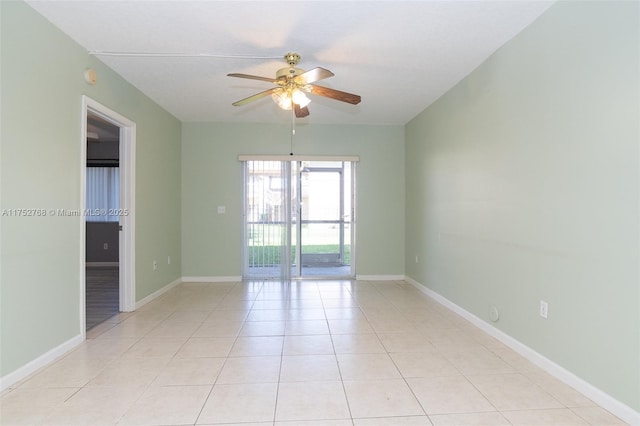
x,y
325,213
267,212
299,219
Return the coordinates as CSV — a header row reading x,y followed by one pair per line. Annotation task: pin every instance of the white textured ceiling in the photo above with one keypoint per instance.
x,y
400,56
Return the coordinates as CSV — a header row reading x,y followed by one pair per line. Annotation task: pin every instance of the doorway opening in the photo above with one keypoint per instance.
x,y
299,219
102,295
107,234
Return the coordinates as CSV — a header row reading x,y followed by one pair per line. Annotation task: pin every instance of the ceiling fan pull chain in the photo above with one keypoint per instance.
x,y
293,129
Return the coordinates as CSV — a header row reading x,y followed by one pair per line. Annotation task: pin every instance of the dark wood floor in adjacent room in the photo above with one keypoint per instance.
x,y
102,294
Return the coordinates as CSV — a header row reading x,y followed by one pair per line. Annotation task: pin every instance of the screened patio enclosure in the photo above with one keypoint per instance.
x,y
299,219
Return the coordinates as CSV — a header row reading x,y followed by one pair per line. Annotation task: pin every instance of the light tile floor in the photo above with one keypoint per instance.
x,y
304,353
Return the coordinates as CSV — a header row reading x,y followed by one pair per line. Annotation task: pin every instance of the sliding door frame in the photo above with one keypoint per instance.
x,y
295,162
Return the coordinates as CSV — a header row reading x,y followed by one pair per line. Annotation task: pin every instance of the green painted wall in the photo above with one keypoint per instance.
x,y
523,184
212,176
41,88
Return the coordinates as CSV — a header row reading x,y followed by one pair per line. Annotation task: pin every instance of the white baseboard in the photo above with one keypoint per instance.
x,y
380,277
157,293
179,281
231,279
42,361
598,396
234,279
61,350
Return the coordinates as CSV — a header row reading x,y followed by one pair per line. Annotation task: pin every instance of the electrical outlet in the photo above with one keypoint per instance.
x,y
416,258
105,246
155,265
544,309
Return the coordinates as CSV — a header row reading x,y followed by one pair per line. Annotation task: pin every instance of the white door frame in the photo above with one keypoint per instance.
x,y
127,203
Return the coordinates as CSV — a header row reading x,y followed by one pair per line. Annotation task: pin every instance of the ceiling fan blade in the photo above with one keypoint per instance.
x,y
251,77
300,112
255,97
312,75
335,94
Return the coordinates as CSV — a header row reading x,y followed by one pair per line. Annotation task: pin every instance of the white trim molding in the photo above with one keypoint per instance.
x,y
230,279
157,293
59,351
598,396
380,277
42,361
179,281
127,147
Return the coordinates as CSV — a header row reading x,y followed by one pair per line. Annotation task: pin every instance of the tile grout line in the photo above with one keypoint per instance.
x,y
400,373
335,355
223,363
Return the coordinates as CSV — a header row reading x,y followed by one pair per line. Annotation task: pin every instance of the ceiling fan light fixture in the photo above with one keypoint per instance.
x,y
292,83
300,98
282,99
286,98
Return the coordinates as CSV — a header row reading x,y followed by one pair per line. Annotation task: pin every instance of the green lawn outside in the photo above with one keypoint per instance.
x,y
270,255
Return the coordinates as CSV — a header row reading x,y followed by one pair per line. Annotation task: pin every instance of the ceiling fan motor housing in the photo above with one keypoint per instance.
x,y
289,72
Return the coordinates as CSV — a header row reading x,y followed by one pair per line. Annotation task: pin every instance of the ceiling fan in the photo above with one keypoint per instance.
x,y
291,85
